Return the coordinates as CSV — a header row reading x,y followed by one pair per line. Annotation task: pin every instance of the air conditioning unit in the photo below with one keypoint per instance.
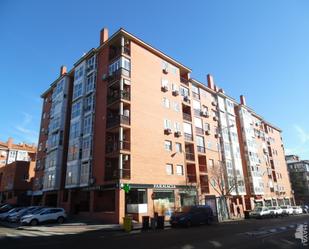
x,y
164,88
125,157
215,119
186,99
204,114
217,135
104,76
175,92
178,134
165,70
214,103
207,132
167,131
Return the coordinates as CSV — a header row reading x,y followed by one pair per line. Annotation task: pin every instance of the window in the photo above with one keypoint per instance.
x,y
90,84
164,83
75,130
166,102
73,151
168,145
89,103
184,91
169,169
200,141
167,124
210,163
198,123
90,63
195,89
76,109
86,147
177,127
176,107
114,67
187,128
179,170
207,127
84,174
87,125
78,90
178,147
175,87
79,72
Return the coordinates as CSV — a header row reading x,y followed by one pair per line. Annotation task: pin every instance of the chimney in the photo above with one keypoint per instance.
x,y
63,70
242,100
103,35
210,81
10,142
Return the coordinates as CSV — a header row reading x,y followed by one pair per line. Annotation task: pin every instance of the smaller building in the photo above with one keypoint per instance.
x,y
299,176
16,181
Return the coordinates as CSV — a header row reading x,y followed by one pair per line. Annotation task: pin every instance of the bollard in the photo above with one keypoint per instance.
x,y
127,223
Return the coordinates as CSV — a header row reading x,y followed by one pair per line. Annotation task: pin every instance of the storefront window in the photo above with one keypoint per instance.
x,y
137,196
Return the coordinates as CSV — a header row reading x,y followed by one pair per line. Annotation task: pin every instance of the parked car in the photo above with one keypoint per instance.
x,y
275,211
3,216
6,207
25,211
305,209
260,212
44,215
287,210
192,215
297,210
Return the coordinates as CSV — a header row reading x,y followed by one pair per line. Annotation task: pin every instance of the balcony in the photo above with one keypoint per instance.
x,y
120,95
116,146
190,156
112,171
187,117
188,137
115,52
184,80
201,149
202,168
117,75
199,131
117,120
191,178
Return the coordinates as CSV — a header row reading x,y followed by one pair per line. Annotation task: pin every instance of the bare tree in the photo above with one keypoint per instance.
x,y
222,185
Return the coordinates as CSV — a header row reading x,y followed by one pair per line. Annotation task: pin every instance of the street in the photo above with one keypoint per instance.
x,y
265,233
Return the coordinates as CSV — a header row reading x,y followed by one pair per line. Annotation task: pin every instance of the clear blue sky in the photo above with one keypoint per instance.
x,y
257,48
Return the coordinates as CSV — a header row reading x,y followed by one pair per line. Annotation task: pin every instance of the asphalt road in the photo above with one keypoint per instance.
x,y
266,233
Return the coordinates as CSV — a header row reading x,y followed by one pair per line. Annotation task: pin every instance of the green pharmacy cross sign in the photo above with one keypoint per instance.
x,y
126,187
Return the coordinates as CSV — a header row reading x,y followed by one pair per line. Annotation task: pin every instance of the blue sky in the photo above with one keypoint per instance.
x,y
258,48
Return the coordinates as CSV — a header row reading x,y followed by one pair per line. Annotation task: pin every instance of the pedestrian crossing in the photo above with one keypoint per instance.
x,y
265,232
19,234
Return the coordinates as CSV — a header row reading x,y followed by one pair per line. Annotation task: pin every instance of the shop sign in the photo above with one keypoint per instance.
x,y
164,186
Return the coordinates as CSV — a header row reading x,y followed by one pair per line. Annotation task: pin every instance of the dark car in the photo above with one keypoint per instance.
x,y
305,209
6,207
192,215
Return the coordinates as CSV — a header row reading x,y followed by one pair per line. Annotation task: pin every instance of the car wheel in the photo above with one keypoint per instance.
x,y
60,220
34,222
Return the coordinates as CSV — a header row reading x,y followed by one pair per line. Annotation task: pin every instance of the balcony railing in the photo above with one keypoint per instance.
x,y
199,131
188,137
115,52
191,177
117,74
201,149
117,120
190,156
119,145
184,80
125,95
203,168
187,116
114,173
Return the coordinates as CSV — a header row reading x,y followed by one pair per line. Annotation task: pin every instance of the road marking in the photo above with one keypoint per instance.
x,y
215,243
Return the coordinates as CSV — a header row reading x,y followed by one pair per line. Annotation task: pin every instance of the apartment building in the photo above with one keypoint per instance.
x,y
299,175
10,152
53,141
144,137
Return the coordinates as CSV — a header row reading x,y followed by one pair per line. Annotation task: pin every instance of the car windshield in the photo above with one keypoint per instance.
x,y
39,211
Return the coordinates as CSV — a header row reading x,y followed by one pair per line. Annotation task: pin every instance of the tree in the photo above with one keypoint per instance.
x,y
223,185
